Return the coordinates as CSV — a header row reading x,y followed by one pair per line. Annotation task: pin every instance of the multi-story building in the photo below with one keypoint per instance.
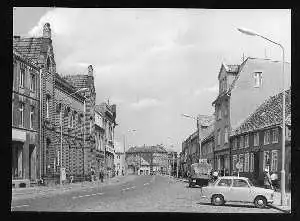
x,y
155,156
207,144
40,51
68,130
56,93
25,146
100,140
241,89
86,81
109,116
256,142
119,161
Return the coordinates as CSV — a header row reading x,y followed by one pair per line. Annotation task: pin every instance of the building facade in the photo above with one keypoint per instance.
x,y
255,79
155,156
109,123
172,162
100,140
58,95
256,142
119,161
25,146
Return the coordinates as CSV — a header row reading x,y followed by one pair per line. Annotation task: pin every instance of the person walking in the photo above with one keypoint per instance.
x,y
274,181
267,180
101,176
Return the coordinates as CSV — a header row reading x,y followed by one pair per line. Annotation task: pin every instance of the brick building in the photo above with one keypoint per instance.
x,y
58,95
100,140
25,144
256,142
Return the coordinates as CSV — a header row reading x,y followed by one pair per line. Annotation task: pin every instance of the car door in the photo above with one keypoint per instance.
x,y
223,187
240,191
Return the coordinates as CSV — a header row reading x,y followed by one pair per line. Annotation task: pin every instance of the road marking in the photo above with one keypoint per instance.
x,y
19,206
94,194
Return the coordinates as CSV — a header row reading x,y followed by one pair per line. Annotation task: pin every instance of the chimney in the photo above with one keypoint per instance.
x,y
90,70
47,31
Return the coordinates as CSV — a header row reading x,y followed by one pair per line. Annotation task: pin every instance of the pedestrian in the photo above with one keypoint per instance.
x,y
101,176
274,181
267,179
122,172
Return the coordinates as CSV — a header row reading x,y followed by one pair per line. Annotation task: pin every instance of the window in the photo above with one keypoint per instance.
x,y
58,158
22,77
247,140
241,160
267,137
47,106
31,117
256,139
32,82
219,113
91,126
69,120
240,183
274,162
257,79
225,182
251,162
21,114
234,162
226,135
12,113
234,143
275,135
246,167
219,137
73,120
241,141
266,161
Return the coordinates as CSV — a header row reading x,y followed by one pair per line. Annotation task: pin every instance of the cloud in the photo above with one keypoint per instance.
x,y
145,103
212,89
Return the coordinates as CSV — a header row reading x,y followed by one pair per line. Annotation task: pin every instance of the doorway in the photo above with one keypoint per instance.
x,y
32,162
17,160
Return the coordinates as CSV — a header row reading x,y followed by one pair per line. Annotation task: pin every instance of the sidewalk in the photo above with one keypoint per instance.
x,y
277,202
71,186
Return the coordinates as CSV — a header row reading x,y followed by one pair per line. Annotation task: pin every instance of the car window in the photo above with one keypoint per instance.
x,y
239,183
225,182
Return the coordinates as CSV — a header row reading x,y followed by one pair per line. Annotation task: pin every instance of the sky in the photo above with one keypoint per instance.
x,y
156,64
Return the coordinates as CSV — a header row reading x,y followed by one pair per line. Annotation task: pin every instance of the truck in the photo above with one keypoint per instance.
x,y
200,173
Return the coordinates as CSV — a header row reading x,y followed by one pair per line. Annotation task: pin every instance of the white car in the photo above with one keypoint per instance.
x,y
237,189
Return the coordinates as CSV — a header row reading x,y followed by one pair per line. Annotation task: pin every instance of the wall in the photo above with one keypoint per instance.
x,y
245,98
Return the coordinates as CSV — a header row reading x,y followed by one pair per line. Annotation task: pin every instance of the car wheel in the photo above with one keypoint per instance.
x,y
260,202
217,200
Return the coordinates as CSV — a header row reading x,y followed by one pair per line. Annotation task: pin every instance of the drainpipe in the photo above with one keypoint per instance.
x,y
40,167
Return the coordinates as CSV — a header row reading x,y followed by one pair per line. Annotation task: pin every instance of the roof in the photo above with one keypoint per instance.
x,y
267,114
205,120
208,132
231,68
148,149
29,47
78,81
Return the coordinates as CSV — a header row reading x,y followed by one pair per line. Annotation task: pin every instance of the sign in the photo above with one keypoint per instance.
x,y
239,165
202,160
63,174
18,135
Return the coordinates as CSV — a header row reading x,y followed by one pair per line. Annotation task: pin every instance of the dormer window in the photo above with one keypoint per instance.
x,y
257,79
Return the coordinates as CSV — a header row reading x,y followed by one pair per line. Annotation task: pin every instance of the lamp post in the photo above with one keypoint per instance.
x,y
124,141
252,33
61,131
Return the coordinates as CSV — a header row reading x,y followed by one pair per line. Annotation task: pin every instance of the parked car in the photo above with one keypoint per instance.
x,y
237,189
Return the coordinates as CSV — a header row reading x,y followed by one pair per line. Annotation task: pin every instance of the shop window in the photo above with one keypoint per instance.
x,y
274,162
266,161
246,167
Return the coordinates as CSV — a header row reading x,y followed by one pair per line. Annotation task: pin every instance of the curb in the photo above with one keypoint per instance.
x,y
280,209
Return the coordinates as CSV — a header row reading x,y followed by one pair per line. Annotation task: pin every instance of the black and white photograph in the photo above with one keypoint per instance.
x,y
177,110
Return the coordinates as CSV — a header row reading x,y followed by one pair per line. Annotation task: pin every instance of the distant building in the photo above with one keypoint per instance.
x,y
108,113
172,162
256,142
25,146
144,158
100,140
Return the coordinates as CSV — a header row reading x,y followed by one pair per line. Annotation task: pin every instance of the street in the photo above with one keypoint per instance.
x,y
132,194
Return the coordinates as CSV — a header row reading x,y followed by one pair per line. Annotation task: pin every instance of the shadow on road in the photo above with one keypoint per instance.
x,y
233,205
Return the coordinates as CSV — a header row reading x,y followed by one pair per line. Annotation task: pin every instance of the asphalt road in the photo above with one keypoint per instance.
x,y
141,194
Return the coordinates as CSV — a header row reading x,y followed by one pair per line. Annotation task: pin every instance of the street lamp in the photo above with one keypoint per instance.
x,y
252,33
124,141
61,131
